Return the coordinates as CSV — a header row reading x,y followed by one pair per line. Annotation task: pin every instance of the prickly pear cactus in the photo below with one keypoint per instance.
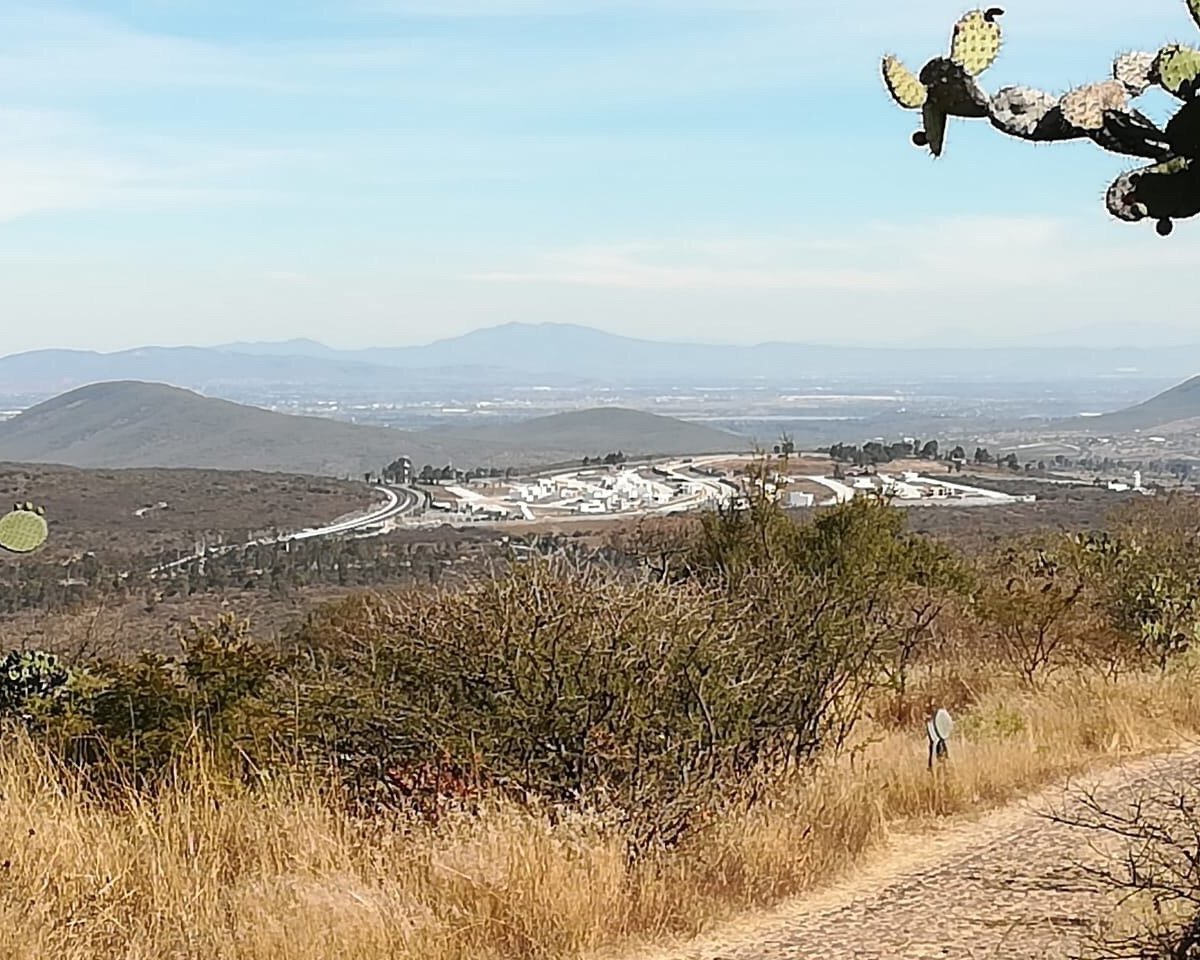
x,y
1098,111
1183,131
1135,71
904,86
1031,115
26,675
1177,70
23,529
946,86
975,44
1084,107
1163,192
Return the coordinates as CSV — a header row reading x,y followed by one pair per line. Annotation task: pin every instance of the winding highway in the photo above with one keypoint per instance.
x,y
399,502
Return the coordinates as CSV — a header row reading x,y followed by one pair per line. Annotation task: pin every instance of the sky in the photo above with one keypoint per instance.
x,y
389,172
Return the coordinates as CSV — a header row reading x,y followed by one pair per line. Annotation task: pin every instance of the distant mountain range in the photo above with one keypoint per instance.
x,y
136,424
517,354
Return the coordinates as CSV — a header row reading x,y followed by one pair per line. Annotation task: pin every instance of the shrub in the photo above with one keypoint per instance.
x,y
135,720
663,700
27,677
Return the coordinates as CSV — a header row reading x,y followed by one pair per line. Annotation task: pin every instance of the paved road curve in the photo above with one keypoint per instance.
x,y
398,502
1007,887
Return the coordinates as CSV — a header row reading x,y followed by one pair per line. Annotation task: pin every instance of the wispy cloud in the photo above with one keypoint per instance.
x,y
938,256
58,161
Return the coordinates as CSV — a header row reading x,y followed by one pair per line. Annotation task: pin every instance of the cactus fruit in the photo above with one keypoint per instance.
x,y
24,529
25,675
1177,70
1135,71
1163,192
946,86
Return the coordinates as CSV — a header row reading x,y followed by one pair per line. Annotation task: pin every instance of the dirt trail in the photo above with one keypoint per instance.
x,y
1009,885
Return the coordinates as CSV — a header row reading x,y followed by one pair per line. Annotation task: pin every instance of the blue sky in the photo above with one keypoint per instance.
x,y
390,171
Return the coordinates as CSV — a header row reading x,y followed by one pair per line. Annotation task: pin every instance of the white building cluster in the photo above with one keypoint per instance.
x,y
622,492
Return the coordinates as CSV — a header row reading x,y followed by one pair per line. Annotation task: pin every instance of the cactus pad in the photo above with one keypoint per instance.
x,y
1085,106
946,86
903,84
1133,134
1135,71
1031,115
1162,192
1177,70
23,530
1194,10
1183,131
976,41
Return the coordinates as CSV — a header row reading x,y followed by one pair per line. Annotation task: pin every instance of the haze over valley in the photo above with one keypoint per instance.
x,y
502,375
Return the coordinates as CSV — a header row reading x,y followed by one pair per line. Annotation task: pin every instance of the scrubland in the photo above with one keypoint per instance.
x,y
560,762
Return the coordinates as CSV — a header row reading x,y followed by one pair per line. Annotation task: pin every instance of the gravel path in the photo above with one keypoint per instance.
x,y
1007,886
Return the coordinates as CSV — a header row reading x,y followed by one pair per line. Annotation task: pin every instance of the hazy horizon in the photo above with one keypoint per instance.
x,y
388,172
1098,338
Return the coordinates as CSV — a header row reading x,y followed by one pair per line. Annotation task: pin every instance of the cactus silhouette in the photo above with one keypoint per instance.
x,y
1101,112
1165,191
23,529
946,86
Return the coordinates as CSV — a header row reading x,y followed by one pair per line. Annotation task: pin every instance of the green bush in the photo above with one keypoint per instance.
x,y
572,685
133,721
27,677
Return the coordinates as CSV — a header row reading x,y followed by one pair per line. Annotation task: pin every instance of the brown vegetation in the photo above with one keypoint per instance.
x,y
556,761
96,510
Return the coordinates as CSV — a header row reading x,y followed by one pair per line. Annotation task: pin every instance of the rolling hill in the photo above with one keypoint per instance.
x,y
1169,412
136,424
606,429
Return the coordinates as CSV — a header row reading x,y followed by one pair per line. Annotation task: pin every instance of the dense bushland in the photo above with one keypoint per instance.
x,y
748,647
689,711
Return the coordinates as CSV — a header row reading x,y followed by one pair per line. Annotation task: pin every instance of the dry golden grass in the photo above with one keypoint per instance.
x,y
207,870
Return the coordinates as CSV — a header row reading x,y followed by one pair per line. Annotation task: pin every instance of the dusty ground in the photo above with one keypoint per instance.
x,y
1011,886
97,509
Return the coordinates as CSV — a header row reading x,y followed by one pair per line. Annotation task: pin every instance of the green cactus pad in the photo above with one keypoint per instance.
x,y
22,530
975,44
903,84
1194,10
1177,70
1135,70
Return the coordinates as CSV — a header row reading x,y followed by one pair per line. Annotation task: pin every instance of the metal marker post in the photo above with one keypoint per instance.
x,y
938,729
